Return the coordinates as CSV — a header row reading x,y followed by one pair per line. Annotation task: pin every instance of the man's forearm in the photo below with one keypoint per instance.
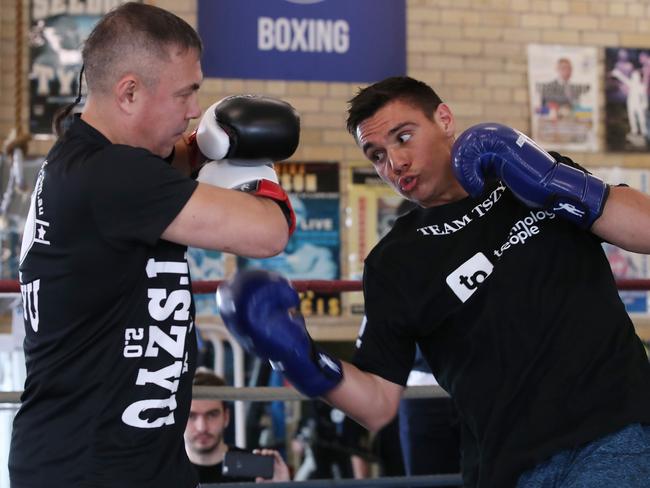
x,y
367,398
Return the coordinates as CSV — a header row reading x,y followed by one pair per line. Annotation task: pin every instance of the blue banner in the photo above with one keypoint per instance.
x,y
313,251
325,40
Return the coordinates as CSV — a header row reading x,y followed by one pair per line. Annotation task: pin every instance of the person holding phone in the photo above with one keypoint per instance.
x,y
206,447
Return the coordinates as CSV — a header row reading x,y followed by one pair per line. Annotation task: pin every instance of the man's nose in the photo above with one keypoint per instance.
x,y
399,161
194,110
200,423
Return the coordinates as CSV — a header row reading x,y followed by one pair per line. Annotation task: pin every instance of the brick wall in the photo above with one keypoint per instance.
x,y
472,51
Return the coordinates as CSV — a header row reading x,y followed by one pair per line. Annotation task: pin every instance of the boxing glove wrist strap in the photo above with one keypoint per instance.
x,y
577,196
269,189
316,376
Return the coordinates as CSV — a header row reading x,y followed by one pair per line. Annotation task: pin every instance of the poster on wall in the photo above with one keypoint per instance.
x,y
373,208
628,265
563,89
313,251
57,32
16,198
206,265
627,86
324,40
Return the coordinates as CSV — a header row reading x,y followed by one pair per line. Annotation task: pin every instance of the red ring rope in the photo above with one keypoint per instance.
x,y
321,286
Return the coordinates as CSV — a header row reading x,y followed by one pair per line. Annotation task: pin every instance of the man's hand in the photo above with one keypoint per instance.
x,y
280,468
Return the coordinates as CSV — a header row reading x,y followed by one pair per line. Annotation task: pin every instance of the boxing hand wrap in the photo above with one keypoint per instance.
x,y
258,180
249,128
257,307
496,151
195,157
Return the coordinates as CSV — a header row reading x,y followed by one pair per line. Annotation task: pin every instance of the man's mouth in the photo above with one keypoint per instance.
x,y
407,183
203,438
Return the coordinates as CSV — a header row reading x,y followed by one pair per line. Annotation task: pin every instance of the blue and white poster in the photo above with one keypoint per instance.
x,y
206,265
313,251
324,40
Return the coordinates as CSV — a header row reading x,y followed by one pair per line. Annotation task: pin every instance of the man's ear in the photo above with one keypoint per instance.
x,y
127,92
445,119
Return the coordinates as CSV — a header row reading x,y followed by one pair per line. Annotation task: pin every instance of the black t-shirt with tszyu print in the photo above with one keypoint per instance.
x,y
109,317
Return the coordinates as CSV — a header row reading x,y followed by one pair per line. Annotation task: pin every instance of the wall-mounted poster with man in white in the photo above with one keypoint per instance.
x,y
627,87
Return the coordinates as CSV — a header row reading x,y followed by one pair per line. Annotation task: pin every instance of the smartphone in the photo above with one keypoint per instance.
x,y
238,464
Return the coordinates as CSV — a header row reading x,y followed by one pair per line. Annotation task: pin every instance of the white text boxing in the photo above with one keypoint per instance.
x,y
303,35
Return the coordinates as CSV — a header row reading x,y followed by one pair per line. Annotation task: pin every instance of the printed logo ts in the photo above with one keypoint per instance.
x,y
465,280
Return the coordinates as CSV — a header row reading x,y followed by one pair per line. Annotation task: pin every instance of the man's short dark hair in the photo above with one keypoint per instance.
x,y
131,37
207,377
370,99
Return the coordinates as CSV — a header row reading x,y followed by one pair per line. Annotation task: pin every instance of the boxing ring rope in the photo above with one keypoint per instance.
x,y
256,393
392,481
325,286
331,286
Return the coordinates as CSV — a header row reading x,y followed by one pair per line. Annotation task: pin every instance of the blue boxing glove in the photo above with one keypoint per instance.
x,y
258,308
496,151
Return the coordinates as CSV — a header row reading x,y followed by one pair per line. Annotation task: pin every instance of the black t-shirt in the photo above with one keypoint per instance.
x,y
110,341
214,473
519,317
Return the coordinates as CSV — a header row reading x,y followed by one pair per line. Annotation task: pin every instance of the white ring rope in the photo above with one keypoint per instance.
x,y
258,393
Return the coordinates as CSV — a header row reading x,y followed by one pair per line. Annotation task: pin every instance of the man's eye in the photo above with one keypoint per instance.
x,y
404,137
377,157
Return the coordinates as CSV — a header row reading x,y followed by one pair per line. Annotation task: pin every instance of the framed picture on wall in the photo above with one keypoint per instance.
x,y
563,87
313,251
627,86
372,211
56,35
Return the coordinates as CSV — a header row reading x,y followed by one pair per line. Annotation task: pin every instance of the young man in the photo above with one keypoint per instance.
x,y
507,292
204,437
110,339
